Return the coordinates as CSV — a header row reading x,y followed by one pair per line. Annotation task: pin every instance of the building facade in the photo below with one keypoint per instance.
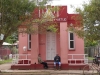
x,y
63,42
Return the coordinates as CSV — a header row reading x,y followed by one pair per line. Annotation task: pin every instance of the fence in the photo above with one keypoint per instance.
x,y
82,58
21,59
92,51
4,53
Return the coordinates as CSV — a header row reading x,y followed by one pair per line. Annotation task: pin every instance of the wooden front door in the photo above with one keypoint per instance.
x,y
50,45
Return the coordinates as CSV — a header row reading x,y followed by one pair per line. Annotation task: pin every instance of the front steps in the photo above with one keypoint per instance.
x,y
50,64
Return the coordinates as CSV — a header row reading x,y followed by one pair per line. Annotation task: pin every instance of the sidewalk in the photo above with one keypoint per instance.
x,y
63,72
5,68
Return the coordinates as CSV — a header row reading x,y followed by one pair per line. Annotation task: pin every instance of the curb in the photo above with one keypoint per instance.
x,y
44,71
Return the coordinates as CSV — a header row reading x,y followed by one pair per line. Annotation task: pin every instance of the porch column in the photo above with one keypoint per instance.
x,y
34,48
64,43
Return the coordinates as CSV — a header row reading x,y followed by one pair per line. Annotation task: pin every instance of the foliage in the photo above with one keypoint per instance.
x,y
5,61
89,43
91,20
52,28
12,39
12,14
77,30
14,50
46,19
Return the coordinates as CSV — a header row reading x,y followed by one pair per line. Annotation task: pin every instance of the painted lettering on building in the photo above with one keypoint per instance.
x,y
60,19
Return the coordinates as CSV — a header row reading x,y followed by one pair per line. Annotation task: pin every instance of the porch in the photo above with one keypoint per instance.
x,y
75,61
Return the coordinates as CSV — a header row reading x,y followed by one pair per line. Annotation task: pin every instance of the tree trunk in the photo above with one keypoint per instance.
x,y
1,42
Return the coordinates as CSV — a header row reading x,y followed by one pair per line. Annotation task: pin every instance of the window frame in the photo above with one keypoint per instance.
x,y
69,40
29,41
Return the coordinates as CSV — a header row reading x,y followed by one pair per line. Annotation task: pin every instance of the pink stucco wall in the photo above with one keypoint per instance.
x,y
42,46
63,42
58,43
34,48
79,46
39,44
22,42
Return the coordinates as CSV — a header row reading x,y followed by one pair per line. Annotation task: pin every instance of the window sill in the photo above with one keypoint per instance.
x,y
71,49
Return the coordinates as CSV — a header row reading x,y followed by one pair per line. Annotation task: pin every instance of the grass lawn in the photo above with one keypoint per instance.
x,y
90,58
5,61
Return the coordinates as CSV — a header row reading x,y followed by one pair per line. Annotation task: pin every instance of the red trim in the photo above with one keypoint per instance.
x,y
40,67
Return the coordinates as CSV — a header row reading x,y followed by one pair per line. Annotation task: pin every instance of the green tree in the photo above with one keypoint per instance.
x,y
89,43
12,14
14,50
15,12
90,20
12,38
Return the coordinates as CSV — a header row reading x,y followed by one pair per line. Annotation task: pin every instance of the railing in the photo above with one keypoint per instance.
x,y
77,59
21,59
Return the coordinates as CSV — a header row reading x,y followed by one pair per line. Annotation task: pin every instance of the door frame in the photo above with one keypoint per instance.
x,y
47,46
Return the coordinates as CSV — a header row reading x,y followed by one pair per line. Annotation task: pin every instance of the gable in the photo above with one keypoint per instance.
x,y
48,14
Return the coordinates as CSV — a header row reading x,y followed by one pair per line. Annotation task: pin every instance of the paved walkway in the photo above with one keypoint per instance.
x,y
46,72
5,66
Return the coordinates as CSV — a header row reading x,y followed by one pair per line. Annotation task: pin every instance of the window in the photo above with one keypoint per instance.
x,y
29,41
71,40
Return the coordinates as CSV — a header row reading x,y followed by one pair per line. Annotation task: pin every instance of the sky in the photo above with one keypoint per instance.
x,y
76,3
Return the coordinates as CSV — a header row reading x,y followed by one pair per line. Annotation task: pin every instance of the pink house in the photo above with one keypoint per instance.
x,y
64,42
